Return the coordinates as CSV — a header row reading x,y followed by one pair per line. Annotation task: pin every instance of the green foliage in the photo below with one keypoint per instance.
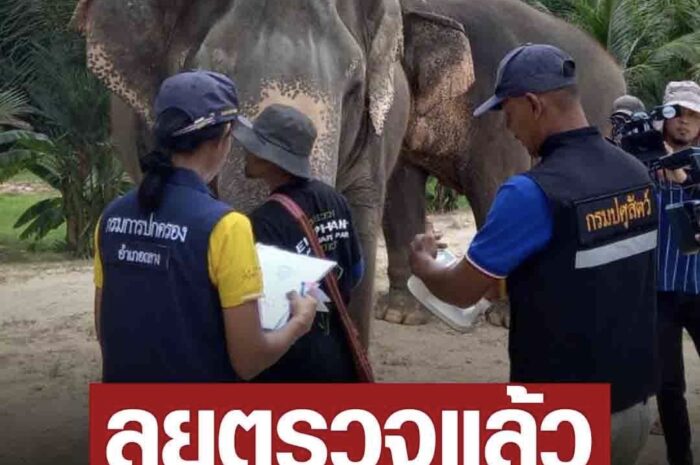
x,y
14,106
44,63
655,41
12,248
442,199
41,218
86,181
26,25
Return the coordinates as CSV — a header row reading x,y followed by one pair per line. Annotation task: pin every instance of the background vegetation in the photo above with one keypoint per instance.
x,y
54,113
54,124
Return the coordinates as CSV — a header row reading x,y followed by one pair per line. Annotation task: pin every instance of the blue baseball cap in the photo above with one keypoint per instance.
x,y
534,68
208,98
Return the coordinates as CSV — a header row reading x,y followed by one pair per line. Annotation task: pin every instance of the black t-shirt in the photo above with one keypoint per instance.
x,y
322,355
330,215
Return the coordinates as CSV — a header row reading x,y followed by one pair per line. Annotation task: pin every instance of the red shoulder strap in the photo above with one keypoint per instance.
x,y
362,363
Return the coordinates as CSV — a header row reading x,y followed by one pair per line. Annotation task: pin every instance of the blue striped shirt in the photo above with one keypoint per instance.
x,y
676,272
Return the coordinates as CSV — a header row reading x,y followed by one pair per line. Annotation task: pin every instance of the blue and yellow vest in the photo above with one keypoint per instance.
x,y
161,317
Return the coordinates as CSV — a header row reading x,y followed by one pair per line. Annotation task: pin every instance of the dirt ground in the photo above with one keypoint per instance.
x,y
48,355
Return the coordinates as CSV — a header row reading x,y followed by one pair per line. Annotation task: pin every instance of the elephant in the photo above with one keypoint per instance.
x,y
452,52
337,61
379,78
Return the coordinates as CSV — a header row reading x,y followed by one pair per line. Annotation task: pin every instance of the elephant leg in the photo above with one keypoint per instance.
x,y
366,199
366,219
404,217
124,136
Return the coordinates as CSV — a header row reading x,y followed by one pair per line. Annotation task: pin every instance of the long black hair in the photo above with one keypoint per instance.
x,y
158,164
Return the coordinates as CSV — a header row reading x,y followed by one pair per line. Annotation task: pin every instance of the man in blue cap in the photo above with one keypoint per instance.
x,y
176,271
575,239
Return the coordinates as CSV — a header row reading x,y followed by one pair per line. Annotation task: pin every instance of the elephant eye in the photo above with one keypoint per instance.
x,y
353,91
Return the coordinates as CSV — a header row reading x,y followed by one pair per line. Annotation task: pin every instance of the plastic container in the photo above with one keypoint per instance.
x,y
459,319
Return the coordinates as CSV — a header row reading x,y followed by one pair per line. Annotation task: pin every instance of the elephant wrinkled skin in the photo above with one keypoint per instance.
x,y
452,51
338,61
368,72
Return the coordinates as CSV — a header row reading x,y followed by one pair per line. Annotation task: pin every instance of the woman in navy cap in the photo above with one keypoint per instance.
x,y
176,271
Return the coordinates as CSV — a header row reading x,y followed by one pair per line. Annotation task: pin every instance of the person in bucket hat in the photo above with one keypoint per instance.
x,y
176,271
678,285
282,136
569,322
684,129
278,148
683,93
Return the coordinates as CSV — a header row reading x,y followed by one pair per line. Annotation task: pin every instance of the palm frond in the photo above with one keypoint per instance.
x,y
41,218
14,157
20,25
49,172
655,41
18,135
685,48
13,106
13,162
539,5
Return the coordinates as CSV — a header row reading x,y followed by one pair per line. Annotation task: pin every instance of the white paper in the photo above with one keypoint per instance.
x,y
282,272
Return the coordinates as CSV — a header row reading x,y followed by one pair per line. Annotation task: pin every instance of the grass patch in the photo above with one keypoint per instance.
x,y
26,177
12,248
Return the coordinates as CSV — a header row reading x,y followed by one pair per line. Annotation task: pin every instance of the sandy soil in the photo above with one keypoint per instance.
x,y
48,356
17,188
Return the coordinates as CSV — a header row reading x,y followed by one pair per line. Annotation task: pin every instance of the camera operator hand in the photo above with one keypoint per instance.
x,y
678,176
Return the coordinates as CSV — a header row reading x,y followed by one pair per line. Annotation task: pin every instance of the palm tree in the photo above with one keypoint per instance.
x,y
45,62
655,41
13,129
87,180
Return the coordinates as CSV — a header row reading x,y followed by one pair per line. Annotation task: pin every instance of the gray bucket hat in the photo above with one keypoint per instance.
x,y
683,93
281,135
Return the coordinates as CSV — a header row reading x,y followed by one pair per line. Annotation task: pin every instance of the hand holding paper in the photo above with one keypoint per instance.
x,y
303,309
282,273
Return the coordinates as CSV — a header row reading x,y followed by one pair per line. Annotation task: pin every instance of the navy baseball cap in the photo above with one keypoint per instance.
x,y
534,68
208,98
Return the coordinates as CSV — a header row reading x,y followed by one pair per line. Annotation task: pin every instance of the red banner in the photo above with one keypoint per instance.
x,y
368,424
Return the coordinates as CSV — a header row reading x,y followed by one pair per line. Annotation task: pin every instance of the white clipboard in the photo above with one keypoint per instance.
x,y
283,272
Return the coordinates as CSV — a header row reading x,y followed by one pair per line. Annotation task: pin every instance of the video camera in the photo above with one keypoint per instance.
x,y
634,133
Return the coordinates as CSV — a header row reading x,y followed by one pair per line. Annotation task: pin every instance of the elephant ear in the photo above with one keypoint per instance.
x,y
133,46
384,56
437,59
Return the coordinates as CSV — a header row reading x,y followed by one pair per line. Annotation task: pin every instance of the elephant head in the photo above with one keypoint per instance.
x,y
332,59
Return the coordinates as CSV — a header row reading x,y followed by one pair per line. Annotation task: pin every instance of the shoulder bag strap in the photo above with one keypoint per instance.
x,y
362,364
